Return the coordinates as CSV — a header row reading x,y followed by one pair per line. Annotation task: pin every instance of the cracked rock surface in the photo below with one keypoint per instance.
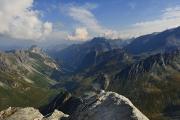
x,y
108,106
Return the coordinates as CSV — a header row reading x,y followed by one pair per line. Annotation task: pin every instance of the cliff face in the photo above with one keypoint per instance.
x,y
64,102
103,106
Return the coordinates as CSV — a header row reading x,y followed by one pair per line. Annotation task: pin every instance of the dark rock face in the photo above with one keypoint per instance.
x,y
64,102
101,82
172,111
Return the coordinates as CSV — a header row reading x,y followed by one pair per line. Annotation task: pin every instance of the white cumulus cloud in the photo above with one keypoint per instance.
x,y
79,34
84,16
19,20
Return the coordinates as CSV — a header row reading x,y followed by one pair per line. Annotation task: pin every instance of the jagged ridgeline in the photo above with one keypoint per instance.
x,y
25,77
145,70
153,84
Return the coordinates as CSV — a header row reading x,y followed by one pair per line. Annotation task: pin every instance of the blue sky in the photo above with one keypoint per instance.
x,y
115,15
43,20
111,13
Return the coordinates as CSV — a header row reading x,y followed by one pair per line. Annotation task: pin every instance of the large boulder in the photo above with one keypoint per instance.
x,y
108,106
56,115
28,113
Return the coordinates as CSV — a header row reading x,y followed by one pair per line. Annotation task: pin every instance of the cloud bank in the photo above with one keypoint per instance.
x,y
19,20
84,17
80,34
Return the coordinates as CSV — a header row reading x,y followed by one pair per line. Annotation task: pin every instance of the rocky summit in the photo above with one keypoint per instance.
x,y
106,106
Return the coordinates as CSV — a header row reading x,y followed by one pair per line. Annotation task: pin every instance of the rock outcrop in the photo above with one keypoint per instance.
x,y
57,115
108,106
64,102
104,106
29,113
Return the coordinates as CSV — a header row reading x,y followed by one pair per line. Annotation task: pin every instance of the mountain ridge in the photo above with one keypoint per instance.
x,y
22,72
157,42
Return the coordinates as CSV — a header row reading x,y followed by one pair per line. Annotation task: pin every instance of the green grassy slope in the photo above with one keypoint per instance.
x,y
25,79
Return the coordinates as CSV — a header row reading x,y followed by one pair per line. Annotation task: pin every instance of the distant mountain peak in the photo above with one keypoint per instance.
x,y
153,43
35,49
99,39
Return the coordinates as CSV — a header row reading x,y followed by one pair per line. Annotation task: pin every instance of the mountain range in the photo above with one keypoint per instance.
x,y
71,57
156,42
144,69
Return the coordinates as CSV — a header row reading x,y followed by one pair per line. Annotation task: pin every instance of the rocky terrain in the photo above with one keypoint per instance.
x,y
156,80
147,68
23,72
29,113
106,105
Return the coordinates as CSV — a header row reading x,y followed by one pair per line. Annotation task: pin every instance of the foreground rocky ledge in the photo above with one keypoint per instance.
x,y
108,106
104,106
29,113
